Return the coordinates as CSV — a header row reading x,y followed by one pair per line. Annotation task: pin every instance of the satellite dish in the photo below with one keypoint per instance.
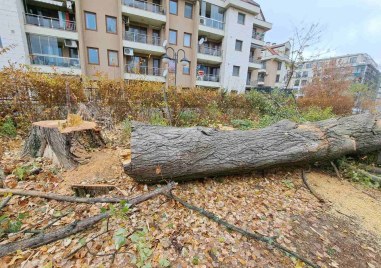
x,y
165,43
201,41
165,73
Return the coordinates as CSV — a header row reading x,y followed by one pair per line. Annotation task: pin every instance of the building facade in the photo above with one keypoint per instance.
x,y
364,70
218,42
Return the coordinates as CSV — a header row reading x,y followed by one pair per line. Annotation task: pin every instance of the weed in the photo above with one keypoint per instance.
x,y
8,128
243,124
144,248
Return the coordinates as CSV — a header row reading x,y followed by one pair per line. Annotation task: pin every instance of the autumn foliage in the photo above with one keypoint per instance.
x,y
329,88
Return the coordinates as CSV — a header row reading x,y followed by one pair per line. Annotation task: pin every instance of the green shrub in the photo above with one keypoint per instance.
x,y
242,124
157,119
126,129
187,118
8,128
316,114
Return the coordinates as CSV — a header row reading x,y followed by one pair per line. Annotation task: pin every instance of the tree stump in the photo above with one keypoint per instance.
x,y
66,147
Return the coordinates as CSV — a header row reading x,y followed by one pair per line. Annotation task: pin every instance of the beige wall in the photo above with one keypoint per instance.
x,y
100,38
183,25
271,68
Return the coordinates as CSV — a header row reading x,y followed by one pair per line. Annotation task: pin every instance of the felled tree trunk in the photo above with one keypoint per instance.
x,y
67,147
168,153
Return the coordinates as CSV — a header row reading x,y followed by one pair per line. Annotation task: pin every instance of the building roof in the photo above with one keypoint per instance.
x,y
251,2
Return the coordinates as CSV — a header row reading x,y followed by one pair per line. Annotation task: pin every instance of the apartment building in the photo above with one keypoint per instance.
x,y
274,60
217,42
364,70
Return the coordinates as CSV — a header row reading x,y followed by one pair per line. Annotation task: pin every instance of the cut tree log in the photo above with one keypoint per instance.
x,y
67,147
161,153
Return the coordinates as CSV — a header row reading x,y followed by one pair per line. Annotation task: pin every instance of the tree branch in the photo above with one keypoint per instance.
x,y
304,177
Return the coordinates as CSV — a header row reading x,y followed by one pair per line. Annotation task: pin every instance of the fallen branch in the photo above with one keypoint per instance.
x,y
372,177
336,170
65,198
268,240
371,169
5,201
304,177
76,226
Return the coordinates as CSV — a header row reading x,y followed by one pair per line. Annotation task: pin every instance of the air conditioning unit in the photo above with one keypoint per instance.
x,y
202,21
70,43
128,51
69,4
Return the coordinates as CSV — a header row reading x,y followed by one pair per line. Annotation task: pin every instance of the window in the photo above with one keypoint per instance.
x,y
113,59
188,10
279,66
93,55
1,43
241,18
186,69
238,45
173,7
297,82
235,70
298,75
173,37
187,39
277,78
308,65
110,24
304,82
305,74
91,21
353,60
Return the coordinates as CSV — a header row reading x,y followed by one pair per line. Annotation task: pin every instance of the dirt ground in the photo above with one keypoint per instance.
x,y
345,231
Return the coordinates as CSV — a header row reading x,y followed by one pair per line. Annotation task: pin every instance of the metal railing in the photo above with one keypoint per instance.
x,y
253,60
258,36
209,51
261,79
142,38
252,83
49,22
151,7
52,60
208,77
144,70
212,23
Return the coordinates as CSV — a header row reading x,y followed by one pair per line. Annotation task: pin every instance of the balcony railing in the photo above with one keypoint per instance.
x,y
253,60
251,83
209,51
261,79
208,77
151,7
212,23
142,38
49,22
57,61
144,70
258,36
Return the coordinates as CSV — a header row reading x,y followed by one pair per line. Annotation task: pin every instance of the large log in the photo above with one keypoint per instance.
x,y
161,153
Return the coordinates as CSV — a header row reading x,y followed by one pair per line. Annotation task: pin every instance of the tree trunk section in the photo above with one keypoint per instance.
x,y
66,147
169,153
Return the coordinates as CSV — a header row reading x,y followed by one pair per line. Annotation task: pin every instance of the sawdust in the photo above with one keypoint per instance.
x,y
349,201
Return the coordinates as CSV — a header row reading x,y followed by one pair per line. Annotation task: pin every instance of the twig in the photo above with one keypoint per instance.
x,y
47,226
75,227
336,170
268,240
5,202
64,198
321,200
371,176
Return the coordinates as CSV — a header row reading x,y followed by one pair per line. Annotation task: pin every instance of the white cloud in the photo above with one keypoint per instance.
x,y
373,26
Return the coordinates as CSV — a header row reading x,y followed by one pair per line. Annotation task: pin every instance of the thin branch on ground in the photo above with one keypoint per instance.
x,y
49,225
268,240
304,178
336,170
5,201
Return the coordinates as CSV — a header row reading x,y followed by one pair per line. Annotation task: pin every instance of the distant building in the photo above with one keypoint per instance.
x,y
273,69
364,70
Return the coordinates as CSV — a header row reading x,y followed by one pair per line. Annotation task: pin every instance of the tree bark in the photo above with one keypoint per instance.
x,y
76,226
67,147
161,153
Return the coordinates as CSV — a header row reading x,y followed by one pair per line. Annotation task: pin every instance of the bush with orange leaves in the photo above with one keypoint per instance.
x,y
329,88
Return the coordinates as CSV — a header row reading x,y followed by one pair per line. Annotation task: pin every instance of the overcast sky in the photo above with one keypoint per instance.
x,y
352,26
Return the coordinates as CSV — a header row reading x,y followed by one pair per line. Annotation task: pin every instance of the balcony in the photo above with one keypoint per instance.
x,y
37,24
211,27
145,12
52,63
261,80
250,83
143,43
144,73
209,55
255,64
258,38
208,80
